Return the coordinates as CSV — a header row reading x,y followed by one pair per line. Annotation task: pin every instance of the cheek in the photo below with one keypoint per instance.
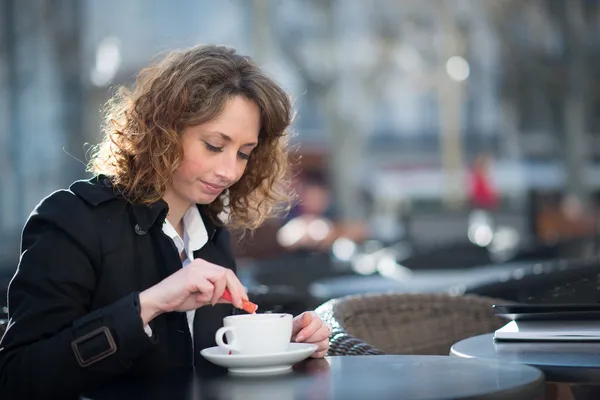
x,y
194,161
189,171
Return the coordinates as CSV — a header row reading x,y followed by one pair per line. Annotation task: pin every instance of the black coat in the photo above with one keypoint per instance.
x,y
86,255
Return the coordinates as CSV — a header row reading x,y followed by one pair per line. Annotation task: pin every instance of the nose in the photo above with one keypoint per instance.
x,y
226,171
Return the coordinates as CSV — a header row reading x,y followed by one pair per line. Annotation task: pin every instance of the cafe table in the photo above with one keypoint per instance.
x,y
573,363
344,377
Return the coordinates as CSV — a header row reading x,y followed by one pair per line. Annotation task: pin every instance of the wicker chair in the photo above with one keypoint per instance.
x,y
394,323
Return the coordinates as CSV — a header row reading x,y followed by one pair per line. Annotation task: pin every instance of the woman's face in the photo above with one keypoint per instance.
x,y
215,153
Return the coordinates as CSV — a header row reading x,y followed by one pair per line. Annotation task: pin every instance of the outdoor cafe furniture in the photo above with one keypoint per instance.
x,y
574,363
448,280
392,323
345,378
557,281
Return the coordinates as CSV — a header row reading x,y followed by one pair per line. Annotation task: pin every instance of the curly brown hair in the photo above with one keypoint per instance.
x,y
141,148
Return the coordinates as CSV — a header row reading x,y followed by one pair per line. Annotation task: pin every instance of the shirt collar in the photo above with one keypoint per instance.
x,y
195,228
195,232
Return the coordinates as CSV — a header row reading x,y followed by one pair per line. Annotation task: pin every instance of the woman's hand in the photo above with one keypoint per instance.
x,y
198,284
309,328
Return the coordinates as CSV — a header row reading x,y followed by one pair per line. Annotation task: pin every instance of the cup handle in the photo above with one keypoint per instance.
x,y
219,338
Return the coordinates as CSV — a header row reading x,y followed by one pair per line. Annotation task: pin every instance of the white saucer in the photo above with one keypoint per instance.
x,y
259,363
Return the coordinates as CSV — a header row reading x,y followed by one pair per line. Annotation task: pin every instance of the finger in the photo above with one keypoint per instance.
x,y
323,345
321,335
202,299
234,296
202,291
313,327
211,272
300,322
219,288
203,287
236,288
214,273
319,354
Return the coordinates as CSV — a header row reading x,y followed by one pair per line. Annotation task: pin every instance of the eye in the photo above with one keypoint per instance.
x,y
243,156
212,148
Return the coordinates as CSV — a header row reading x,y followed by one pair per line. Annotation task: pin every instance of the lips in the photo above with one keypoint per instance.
x,y
213,189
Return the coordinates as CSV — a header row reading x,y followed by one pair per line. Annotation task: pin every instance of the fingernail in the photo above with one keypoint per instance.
x,y
299,338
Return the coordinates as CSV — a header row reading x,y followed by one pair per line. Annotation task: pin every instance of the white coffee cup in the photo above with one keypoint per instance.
x,y
256,333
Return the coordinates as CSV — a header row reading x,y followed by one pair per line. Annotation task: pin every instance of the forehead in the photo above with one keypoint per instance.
x,y
240,120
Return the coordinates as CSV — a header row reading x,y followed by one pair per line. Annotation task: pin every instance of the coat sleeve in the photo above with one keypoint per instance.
x,y
54,345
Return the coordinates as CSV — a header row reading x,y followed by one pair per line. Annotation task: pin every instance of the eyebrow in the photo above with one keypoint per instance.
x,y
228,139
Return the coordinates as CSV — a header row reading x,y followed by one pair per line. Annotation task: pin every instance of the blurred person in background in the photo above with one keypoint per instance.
x,y
482,194
483,201
123,274
315,196
312,223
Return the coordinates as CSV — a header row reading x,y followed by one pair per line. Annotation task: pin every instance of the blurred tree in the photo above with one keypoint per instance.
x,y
347,53
351,55
547,48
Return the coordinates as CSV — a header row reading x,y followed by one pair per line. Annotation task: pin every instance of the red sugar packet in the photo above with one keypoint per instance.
x,y
247,306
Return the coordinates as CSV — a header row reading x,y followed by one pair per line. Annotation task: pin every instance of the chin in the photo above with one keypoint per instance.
x,y
205,198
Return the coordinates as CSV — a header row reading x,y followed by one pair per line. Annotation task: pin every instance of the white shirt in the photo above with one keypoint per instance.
x,y
194,237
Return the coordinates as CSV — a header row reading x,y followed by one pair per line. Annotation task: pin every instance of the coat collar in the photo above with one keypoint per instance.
x,y
99,189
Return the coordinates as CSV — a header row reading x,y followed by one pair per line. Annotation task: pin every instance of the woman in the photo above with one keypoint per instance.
x,y
124,273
